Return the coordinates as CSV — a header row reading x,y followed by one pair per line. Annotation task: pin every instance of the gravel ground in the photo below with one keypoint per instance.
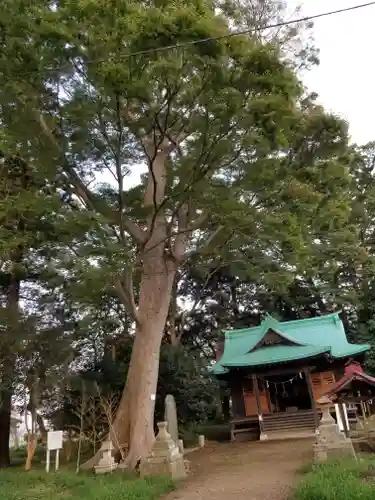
x,y
244,471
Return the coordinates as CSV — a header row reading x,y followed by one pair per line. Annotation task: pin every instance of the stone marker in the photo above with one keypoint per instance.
x,y
165,458
181,446
170,415
201,441
106,463
329,441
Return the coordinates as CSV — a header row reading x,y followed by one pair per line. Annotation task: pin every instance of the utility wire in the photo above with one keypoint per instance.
x,y
246,31
219,37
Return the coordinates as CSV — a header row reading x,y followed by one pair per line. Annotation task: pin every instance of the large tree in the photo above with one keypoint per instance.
x,y
28,211
210,126
20,234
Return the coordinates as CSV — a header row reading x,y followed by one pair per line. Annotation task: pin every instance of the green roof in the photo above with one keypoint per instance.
x,y
306,338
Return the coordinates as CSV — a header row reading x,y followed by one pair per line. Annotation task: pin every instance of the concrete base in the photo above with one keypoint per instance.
x,y
105,469
107,463
263,437
329,441
293,434
322,452
159,466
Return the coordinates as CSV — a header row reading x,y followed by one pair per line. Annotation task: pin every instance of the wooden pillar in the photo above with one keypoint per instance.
x,y
263,436
269,402
306,371
237,396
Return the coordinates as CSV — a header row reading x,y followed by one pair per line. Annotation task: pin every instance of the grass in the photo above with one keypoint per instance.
x,y
344,480
36,485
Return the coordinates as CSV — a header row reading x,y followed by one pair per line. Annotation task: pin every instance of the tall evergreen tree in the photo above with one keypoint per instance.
x,y
23,208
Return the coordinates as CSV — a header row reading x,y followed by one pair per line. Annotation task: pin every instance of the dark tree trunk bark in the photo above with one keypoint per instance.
x,y
6,378
5,417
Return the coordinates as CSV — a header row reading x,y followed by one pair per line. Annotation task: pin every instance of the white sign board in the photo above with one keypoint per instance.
x,y
54,440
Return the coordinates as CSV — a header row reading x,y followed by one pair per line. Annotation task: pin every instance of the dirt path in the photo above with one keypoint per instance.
x,y
244,471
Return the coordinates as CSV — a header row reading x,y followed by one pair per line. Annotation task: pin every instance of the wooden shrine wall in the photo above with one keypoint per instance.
x,y
237,397
322,382
251,403
250,400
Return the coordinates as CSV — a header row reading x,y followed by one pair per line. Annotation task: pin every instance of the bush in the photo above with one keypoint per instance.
x,y
346,480
212,431
37,485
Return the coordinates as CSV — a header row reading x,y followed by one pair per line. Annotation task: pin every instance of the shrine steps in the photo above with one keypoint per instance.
x,y
289,425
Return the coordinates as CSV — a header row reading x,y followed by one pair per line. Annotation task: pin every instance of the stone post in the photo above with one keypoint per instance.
x,y
171,417
106,462
330,442
165,458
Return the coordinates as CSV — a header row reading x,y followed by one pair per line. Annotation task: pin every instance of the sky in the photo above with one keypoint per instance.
x,y
345,77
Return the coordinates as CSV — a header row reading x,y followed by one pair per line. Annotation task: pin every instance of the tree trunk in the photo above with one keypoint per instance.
x,y
6,376
5,417
133,427
172,329
69,446
42,427
31,448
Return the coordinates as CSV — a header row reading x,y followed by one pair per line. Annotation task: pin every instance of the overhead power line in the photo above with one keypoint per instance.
x,y
219,37
248,30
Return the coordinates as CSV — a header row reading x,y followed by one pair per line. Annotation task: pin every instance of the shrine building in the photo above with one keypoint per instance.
x,y
277,371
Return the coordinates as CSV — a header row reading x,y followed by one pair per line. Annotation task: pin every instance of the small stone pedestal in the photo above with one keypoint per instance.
x,y
106,463
330,442
165,458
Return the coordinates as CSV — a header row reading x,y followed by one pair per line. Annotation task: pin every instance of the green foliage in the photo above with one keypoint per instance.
x,y
265,165
186,377
238,96
37,485
211,430
296,40
346,480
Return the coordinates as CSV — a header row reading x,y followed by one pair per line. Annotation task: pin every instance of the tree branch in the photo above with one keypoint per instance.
x,y
85,194
126,296
120,178
181,239
205,245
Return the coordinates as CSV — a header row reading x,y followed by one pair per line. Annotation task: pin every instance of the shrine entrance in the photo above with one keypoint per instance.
x,y
288,394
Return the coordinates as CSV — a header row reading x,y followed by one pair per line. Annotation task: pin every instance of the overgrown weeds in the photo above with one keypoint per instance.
x,y
344,480
36,485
